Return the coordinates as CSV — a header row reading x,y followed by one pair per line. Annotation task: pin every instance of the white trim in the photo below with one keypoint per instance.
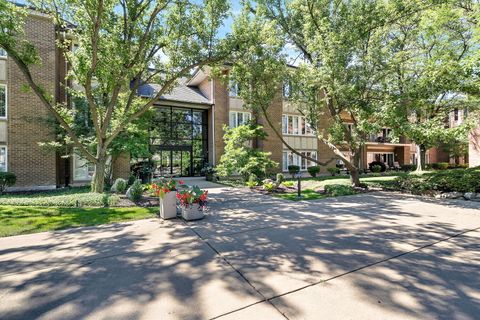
x,y
299,129
6,101
6,156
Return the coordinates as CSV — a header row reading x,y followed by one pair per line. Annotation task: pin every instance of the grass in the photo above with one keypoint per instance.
x,y
72,197
307,194
15,220
310,185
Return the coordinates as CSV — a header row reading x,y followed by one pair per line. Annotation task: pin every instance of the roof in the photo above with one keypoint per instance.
x,y
181,93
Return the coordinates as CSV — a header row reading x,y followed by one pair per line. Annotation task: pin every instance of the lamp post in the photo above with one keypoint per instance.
x,y
299,185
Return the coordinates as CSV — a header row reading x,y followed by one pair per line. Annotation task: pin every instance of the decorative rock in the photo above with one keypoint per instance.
x,y
451,195
469,195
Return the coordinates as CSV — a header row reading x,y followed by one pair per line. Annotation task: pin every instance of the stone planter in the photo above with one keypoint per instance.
x,y
168,205
193,212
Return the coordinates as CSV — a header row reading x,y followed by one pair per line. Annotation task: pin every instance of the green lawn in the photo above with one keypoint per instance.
x,y
16,220
309,185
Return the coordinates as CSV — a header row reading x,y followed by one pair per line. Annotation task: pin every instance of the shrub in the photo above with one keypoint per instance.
x,y
252,181
131,180
293,170
119,186
269,185
440,165
280,179
336,190
408,167
314,170
377,163
334,170
288,184
7,179
458,166
459,180
63,198
376,168
135,191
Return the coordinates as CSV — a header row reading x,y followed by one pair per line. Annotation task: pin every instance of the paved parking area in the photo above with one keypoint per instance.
x,y
369,256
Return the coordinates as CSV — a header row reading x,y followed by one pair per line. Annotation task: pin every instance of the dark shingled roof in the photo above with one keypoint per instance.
x,y
181,93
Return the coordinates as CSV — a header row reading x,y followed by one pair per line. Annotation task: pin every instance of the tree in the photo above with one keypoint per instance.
x,y
112,48
341,44
240,157
429,54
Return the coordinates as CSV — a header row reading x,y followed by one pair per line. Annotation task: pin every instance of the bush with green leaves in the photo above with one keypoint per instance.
x,y
74,197
376,168
252,181
240,158
336,190
377,163
439,165
293,170
408,167
269,185
7,179
333,170
119,186
458,180
314,170
135,191
280,179
288,184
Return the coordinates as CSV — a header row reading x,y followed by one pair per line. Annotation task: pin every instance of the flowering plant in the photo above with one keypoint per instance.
x,y
193,196
163,186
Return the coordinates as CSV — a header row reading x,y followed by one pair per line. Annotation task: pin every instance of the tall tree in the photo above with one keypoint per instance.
x,y
430,57
341,44
112,48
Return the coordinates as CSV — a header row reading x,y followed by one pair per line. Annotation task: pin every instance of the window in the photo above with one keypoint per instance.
x,y
3,53
295,125
3,101
3,158
234,89
289,158
455,114
83,170
238,118
287,89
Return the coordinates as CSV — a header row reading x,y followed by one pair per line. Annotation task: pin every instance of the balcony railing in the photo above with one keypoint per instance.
x,y
379,139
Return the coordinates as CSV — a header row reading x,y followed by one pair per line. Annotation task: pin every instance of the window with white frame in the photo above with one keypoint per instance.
x,y
3,53
3,101
289,158
287,89
295,125
82,169
238,118
3,158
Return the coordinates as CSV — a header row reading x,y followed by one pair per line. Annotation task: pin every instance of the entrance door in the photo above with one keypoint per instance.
x,y
173,161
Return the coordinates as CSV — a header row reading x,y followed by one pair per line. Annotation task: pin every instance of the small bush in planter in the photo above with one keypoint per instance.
x,y
376,168
408,167
314,170
440,165
7,179
336,190
293,170
135,191
377,163
119,186
334,170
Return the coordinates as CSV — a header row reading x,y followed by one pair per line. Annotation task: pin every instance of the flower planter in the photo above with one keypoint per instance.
x,y
193,212
168,205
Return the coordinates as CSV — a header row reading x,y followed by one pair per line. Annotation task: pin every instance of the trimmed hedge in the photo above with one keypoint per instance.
x,y
63,200
313,170
377,163
336,190
458,180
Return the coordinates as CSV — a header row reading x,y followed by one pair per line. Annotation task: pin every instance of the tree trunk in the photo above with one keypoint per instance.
x,y
355,177
420,152
98,179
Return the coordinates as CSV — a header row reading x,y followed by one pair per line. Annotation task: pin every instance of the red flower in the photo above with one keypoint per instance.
x,y
181,181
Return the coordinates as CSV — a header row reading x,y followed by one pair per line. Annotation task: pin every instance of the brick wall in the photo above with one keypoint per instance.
x,y
220,117
272,143
28,120
402,155
474,148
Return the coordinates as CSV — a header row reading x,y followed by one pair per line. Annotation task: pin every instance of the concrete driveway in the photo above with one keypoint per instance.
x,y
370,256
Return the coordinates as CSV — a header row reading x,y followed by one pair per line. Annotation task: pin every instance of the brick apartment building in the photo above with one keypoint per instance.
x,y
188,130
